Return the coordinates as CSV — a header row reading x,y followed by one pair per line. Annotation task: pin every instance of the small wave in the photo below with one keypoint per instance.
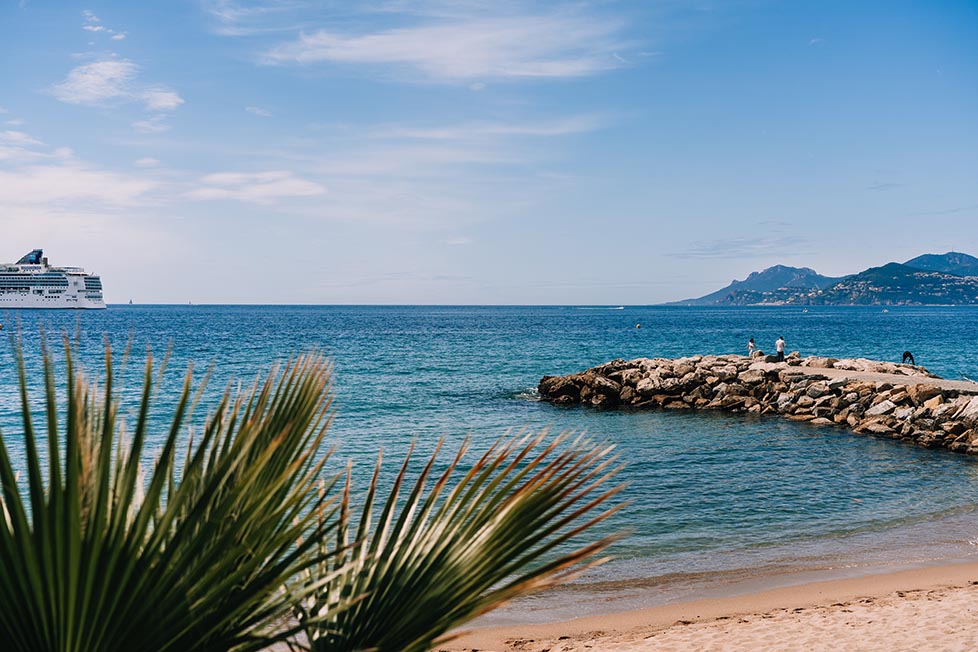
x,y
530,394
599,307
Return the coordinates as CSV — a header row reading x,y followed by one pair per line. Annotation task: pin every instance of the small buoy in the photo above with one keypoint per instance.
x,y
638,325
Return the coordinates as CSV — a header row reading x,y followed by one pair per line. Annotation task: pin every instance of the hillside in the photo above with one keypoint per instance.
x,y
952,262
765,283
890,284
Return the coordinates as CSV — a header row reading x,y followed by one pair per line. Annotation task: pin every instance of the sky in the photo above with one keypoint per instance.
x,y
482,151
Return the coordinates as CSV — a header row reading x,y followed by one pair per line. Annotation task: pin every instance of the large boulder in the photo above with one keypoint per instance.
x,y
921,393
602,386
649,386
881,408
559,387
969,413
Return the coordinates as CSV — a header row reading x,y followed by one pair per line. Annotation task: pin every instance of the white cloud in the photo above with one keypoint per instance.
x,y
160,99
69,181
18,138
111,80
94,24
255,187
147,162
153,125
257,110
237,18
15,122
97,83
17,146
462,49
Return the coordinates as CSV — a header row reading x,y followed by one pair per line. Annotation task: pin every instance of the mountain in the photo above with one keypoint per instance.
x,y
910,283
952,262
896,284
760,284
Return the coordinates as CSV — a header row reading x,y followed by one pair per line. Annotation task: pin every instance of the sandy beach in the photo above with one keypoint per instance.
x,y
927,609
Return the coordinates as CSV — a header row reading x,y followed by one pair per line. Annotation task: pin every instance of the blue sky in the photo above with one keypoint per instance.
x,y
476,151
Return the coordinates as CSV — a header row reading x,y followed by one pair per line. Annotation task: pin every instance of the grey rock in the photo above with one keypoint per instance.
x,y
884,407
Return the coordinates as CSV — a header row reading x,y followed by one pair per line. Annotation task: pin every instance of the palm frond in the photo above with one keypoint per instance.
x,y
99,552
476,538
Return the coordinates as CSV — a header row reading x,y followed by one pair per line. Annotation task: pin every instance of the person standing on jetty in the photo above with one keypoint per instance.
x,y
779,347
750,348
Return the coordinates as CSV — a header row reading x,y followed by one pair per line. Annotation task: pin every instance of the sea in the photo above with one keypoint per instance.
x,y
718,503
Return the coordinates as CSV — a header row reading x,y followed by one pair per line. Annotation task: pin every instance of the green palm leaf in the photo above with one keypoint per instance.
x,y
98,553
440,556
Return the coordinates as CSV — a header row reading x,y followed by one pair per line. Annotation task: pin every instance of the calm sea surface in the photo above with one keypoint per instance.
x,y
716,499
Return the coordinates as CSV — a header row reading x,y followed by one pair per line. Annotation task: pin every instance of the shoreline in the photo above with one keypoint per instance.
x,y
793,610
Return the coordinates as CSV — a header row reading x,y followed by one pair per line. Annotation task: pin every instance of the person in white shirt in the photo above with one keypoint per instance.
x,y
750,348
779,347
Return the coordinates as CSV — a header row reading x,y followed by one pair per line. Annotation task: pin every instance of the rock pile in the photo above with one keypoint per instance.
x,y
915,409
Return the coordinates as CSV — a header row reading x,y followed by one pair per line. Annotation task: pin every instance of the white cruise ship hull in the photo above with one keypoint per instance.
x,y
32,283
64,301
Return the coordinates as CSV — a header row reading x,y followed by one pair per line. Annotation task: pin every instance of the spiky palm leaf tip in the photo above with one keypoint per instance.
x,y
101,553
479,536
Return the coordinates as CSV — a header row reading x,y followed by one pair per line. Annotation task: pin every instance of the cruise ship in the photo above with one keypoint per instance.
x,y
32,283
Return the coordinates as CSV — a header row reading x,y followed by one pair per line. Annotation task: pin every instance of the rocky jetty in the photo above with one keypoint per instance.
x,y
866,396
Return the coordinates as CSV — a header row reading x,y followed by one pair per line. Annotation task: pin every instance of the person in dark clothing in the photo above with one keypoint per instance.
x,y
907,355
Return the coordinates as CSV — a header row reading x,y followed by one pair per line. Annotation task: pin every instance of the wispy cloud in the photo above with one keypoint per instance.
x,y
19,147
560,45
255,187
478,130
260,112
755,247
948,211
112,81
97,83
18,138
36,175
250,17
92,23
883,185
160,99
153,125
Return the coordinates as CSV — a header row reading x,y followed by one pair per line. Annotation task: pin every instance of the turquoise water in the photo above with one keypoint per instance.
x,y
726,495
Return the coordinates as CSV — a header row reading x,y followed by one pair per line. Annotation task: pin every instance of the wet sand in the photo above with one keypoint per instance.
x,y
926,609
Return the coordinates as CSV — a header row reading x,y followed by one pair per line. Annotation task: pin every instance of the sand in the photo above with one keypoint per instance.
x,y
929,609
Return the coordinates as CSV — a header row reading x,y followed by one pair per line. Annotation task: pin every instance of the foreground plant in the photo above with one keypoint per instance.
x,y
478,537
194,556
